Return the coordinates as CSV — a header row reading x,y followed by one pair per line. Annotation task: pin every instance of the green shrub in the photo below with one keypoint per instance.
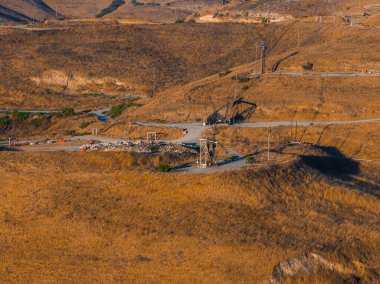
x,y
244,79
230,158
5,120
244,88
117,110
68,112
309,66
36,122
136,3
163,168
191,21
20,116
249,160
132,103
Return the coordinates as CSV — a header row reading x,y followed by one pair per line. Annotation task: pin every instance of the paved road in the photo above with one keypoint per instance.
x,y
30,111
195,130
27,28
193,135
100,114
320,74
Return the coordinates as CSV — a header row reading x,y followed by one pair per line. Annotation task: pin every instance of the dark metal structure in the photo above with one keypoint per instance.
x,y
231,113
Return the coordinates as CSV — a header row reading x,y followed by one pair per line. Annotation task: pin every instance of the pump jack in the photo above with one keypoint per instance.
x,y
235,112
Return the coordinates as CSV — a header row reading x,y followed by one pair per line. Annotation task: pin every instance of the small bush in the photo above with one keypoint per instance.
x,y
20,116
180,21
244,88
244,79
117,110
191,21
68,112
163,168
5,120
136,3
132,103
230,158
36,122
308,66
250,160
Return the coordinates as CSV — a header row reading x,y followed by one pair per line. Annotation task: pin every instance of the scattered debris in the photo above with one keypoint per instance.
x,y
139,147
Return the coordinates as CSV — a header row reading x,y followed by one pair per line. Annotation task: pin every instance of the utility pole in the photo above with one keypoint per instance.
x,y
56,9
263,51
268,144
236,86
334,11
298,35
256,59
154,82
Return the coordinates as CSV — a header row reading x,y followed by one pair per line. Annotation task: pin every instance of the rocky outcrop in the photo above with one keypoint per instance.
x,y
311,264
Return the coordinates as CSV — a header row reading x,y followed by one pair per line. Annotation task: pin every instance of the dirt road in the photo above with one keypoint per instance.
x,y
195,130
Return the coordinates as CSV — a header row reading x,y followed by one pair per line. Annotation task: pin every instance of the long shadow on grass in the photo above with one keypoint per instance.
x,y
341,169
8,149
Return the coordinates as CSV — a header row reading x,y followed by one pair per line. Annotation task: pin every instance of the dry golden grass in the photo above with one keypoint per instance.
x,y
140,132
283,97
104,57
86,218
353,140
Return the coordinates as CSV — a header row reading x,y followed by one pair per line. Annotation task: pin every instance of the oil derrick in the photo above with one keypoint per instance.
x,y
207,153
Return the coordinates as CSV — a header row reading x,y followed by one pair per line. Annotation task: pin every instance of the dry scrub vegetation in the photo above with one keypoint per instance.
x,y
86,218
56,67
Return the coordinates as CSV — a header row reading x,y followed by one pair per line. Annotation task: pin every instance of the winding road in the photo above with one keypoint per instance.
x,y
194,133
195,130
320,74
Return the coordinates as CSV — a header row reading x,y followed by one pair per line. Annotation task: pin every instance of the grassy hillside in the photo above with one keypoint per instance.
x,y
100,223
117,59
79,8
289,97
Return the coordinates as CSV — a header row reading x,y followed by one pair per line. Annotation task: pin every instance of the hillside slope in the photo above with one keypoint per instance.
x,y
86,218
135,58
79,8
33,9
